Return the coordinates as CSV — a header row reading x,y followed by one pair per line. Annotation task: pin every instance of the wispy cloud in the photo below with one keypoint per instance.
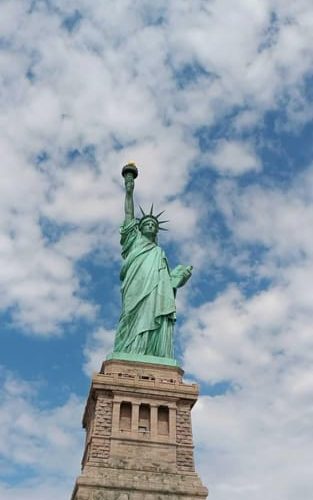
x,y
195,93
234,158
36,440
75,83
261,343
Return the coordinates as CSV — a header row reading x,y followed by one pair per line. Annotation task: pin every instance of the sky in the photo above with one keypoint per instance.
x,y
213,100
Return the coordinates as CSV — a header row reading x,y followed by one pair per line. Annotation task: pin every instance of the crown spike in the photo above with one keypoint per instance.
x,y
157,216
142,211
163,229
162,221
151,209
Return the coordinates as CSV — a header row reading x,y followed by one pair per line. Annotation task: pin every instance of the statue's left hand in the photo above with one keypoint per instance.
x,y
186,274
180,275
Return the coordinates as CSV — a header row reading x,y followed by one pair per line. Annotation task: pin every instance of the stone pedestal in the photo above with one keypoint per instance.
x,y
138,435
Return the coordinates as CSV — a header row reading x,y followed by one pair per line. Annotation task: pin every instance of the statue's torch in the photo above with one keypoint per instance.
x,y
130,168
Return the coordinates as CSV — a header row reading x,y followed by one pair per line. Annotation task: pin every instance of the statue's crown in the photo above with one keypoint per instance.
x,y
155,218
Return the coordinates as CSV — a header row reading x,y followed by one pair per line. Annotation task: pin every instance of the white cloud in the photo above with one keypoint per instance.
x,y
277,218
117,85
99,345
257,436
244,331
37,490
234,158
255,442
211,36
38,438
96,86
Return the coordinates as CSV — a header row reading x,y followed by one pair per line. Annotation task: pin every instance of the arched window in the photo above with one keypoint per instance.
x,y
125,416
144,418
163,420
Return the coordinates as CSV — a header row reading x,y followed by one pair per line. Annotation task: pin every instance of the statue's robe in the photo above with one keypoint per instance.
x,y
148,302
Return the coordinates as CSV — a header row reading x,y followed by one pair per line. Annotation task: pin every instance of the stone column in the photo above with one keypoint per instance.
x,y
135,418
172,424
154,421
116,416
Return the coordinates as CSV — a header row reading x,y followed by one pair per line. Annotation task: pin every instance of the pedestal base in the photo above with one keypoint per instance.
x,y
139,437
116,484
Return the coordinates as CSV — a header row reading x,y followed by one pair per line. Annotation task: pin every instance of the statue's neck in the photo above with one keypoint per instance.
x,y
149,238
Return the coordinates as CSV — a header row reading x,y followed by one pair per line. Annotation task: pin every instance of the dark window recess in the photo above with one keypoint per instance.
x,y
125,416
163,420
144,418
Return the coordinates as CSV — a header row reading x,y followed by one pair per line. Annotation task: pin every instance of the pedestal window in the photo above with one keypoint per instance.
x,y
163,421
144,418
125,416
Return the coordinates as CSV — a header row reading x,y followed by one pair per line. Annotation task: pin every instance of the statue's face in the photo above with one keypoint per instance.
x,y
149,229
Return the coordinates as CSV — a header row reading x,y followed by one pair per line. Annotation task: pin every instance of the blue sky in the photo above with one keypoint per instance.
x,y
213,101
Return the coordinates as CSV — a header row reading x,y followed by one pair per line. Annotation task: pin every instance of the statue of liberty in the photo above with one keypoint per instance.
x,y
148,285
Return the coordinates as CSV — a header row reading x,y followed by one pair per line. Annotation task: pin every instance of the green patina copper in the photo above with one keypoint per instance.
x,y
145,329
143,358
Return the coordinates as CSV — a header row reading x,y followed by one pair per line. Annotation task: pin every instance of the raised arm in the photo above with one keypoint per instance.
x,y
129,199
129,173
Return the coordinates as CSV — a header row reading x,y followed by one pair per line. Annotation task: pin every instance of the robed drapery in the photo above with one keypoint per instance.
x,y
148,302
